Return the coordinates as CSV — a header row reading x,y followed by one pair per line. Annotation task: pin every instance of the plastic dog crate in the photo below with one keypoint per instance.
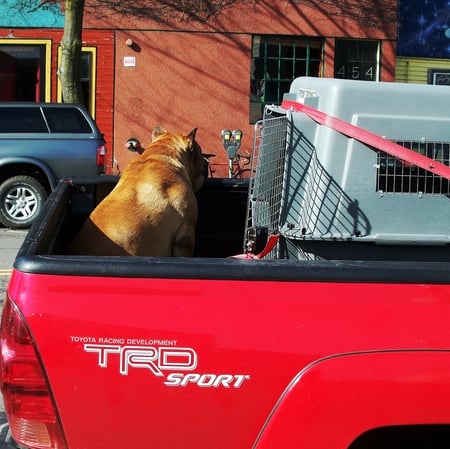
x,y
315,185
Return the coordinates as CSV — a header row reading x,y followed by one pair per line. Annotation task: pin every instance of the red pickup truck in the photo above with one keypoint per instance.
x,y
331,333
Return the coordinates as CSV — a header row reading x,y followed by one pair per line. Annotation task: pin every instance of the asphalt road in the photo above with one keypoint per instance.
x,y
10,241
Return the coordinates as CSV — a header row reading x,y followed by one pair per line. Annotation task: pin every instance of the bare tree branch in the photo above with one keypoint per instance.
x,y
364,12
164,10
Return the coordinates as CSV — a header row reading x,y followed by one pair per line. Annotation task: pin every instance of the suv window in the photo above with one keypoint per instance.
x,y
22,120
66,120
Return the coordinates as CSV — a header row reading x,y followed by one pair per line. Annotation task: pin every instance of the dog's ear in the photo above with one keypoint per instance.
x,y
191,137
191,140
158,131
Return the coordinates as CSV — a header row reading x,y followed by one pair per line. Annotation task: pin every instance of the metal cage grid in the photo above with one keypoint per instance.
x,y
395,176
269,147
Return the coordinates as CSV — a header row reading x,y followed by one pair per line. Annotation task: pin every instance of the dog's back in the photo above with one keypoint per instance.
x,y
152,211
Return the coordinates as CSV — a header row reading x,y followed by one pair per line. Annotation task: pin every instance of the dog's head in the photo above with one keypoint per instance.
x,y
186,147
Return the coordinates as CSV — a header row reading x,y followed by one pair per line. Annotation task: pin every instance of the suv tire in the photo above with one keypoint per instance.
x,y
21,200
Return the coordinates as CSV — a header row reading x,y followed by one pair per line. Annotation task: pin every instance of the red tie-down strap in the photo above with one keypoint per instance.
x,y
270,245
371,139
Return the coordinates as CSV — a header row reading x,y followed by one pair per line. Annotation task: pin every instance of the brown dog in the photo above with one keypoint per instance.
x,y
152,211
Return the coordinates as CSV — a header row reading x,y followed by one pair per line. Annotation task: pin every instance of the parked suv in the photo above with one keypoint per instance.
x,y
40,143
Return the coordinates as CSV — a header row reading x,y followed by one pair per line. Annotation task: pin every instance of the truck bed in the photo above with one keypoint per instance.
x,y
220,236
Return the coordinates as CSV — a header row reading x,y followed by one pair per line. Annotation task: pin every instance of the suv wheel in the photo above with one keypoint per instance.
x,y
21,200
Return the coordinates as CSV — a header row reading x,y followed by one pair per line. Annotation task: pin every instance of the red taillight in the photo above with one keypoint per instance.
x,y
101,156
31,414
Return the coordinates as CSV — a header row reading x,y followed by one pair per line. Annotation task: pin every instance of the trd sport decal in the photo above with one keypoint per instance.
x,y
174,365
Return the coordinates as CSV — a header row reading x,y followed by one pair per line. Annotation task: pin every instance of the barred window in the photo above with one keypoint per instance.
x,y
276,62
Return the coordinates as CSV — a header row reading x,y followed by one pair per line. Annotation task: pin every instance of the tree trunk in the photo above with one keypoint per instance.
x,y
69,70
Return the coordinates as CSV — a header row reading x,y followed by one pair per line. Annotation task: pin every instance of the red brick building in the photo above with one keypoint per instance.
x,y
212,74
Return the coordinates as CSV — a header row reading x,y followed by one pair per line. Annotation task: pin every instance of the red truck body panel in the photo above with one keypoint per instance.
x,y
337,398
230,364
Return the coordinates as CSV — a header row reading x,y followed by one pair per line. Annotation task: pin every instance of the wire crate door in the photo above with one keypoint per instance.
x,y
266,182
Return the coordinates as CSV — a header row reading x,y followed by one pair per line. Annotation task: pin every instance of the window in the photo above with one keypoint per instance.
x,y
276,62
88,79
357,59
439,76
22,120
66,120
25,70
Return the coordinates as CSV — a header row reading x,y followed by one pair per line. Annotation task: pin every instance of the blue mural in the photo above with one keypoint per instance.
x,y
424,29
30,16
